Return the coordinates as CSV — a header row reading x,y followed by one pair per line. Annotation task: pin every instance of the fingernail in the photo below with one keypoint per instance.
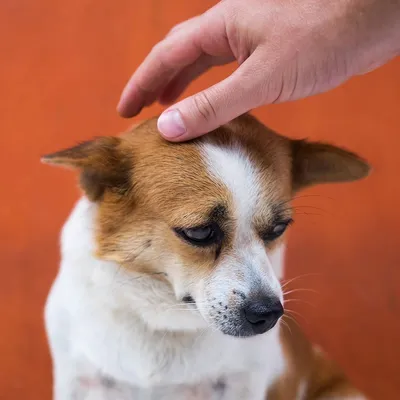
x,y
171,124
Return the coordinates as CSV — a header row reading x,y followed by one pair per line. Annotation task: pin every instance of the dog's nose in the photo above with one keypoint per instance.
x,y
263,315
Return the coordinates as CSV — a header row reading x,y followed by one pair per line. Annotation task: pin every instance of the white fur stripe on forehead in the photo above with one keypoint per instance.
x,y
233,168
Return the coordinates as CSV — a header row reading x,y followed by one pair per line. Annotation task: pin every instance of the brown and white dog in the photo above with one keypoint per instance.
x,y
169,286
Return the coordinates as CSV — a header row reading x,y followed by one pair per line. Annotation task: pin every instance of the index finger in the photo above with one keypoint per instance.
x,y
164,62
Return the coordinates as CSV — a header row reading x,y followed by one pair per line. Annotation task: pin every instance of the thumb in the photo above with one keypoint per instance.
x,y
215,106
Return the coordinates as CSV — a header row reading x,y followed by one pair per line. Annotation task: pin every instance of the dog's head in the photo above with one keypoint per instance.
x,y
204,217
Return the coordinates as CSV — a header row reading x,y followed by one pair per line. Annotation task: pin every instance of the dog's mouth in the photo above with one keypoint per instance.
x,y
188,299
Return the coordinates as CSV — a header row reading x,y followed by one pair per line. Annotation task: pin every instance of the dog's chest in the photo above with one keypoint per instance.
x,y
145,358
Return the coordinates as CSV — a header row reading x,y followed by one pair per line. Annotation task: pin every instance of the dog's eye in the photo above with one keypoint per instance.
x,y
276,231
200,236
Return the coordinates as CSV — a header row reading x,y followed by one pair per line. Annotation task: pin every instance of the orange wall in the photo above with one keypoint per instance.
x,y
63,65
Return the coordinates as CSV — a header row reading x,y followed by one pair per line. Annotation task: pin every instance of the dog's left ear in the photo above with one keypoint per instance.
x,y
314,163
103,165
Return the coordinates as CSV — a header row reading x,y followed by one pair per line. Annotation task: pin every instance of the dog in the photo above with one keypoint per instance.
x,y
169,286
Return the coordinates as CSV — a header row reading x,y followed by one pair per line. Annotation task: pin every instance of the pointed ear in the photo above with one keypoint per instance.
x,y
102,162
315,163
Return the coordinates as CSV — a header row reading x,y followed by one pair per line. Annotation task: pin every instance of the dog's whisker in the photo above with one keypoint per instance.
x,y
322,196
286,325
292,313
286,282
304,207
300,290
292,319
300,301
309,213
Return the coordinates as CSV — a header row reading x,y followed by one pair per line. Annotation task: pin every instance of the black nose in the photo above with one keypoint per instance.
x,y
263,315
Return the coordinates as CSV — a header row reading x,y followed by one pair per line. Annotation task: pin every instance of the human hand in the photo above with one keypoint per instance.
x,y
286,50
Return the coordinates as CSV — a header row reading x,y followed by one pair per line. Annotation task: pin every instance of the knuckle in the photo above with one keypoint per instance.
x,y
181,26
157,48
174,29
204,106
159,55
177,27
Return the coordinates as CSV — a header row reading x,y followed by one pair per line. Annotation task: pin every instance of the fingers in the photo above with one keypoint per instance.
x,y
164,61
176,87
182,47
217,105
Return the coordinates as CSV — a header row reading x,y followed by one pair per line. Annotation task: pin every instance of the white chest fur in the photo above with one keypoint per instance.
x,y
95,329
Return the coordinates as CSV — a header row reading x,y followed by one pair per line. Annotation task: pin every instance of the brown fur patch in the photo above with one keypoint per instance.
x,y
104,163
309,369
316,163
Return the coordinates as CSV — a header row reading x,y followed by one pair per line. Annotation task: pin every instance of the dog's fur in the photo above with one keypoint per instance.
x,y
137,312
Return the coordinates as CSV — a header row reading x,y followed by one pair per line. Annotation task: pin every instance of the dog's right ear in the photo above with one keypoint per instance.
x,y
103,164
314,163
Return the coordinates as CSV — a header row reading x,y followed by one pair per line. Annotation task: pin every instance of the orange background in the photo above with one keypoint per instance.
x,y
63,65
